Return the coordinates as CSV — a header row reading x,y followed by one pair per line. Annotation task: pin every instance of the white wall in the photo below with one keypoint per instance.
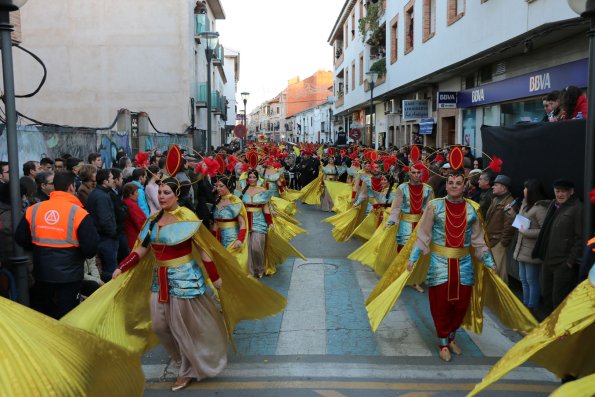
x,y
106,55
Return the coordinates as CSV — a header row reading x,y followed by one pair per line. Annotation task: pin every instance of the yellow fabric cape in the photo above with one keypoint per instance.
x,y
241,253
40,356
286,228
283,205
489,290
291,194
563,343
346,222
378,252
368,226
340,193
311,193
579,388
119,311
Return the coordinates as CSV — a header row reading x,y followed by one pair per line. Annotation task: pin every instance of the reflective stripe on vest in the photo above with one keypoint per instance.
x,y
69,229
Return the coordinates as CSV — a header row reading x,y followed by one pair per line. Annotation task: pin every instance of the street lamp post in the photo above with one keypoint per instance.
x,y
586,9
211,40
18,260
372,77
245,96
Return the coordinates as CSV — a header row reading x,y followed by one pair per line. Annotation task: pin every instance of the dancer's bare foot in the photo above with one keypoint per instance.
x,y
418,288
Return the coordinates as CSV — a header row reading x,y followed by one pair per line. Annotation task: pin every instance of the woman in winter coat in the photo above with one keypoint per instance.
x,y
136,217
533,208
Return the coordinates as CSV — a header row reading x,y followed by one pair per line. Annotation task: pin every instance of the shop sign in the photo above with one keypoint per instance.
x,y
426,126
540,82
447,100
415,109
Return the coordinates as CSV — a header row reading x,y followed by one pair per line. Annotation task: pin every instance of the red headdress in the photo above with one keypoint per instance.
x,y
439,158
173,162
592,195
221,161
414,154
252,158
455,158
425,173
331,151
388,161
141,159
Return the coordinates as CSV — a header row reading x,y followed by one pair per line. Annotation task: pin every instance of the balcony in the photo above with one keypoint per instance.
x,y
201,93
218,55
201,24
340,101
339,57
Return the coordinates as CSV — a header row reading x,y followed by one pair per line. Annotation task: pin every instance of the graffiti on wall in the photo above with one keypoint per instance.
x,y
162,141
109,143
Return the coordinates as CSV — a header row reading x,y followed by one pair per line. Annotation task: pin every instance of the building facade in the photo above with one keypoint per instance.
x,y
437,83
145,56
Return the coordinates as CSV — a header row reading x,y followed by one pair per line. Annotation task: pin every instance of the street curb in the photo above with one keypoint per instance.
x,y
350,371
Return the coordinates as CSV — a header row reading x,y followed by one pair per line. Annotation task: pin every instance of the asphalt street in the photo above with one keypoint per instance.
x,y
322,344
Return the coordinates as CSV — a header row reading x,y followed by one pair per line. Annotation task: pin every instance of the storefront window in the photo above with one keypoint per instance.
x,y
491,115
469,129
522,112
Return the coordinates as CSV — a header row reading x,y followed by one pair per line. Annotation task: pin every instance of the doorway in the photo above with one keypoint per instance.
x,y
448,131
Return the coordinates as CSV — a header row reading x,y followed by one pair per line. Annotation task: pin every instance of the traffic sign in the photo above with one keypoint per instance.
x,y
355,134
240,131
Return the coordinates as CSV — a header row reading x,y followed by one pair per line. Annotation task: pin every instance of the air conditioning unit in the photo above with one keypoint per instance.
x,y
391,107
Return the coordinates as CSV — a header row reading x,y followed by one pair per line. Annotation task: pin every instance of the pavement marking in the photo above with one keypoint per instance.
x,y
418,394
329,393
303,329
321,385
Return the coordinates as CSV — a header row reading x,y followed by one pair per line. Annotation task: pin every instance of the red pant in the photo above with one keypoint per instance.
x,y
448,315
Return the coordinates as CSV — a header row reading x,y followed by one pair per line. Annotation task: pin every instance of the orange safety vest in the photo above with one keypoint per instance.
x,y
591,242
54,222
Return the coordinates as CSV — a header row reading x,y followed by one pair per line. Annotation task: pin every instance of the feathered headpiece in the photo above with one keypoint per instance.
x,y
141,159
209,166
496,164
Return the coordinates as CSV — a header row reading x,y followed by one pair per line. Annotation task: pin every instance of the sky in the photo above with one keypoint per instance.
x,y
277,40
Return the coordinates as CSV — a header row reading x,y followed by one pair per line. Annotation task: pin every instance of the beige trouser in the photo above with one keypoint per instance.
x,y
500,254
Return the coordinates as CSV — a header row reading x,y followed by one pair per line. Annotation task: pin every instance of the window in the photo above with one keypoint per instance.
x,y
429,19
361,68
277,109
346,34
409,23
394,39
456,10
346,80
361,9
353,75
353,25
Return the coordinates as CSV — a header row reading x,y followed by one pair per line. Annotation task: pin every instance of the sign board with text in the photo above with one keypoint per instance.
x,y
447,100
415,109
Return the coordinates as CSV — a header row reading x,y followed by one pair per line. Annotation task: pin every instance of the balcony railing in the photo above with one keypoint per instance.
x,y
201,24
340,101
219,55
201,92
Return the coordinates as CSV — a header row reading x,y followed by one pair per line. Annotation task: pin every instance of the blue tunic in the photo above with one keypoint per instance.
x,y
231,211
259,224
185,280
406,227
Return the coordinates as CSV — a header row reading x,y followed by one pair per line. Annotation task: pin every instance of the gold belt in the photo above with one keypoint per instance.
x,y
412,218
176,261
449,252
227,225
253,209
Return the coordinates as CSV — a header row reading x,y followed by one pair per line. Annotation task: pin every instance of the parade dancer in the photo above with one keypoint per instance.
x,y
408,207
441,250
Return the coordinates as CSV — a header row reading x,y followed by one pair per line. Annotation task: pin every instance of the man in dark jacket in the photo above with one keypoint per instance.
x,y
61,234
101,207
559,245
308,168
45,185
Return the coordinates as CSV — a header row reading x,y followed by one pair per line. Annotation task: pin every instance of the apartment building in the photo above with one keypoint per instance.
x,y
144,56
278,119
446,67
